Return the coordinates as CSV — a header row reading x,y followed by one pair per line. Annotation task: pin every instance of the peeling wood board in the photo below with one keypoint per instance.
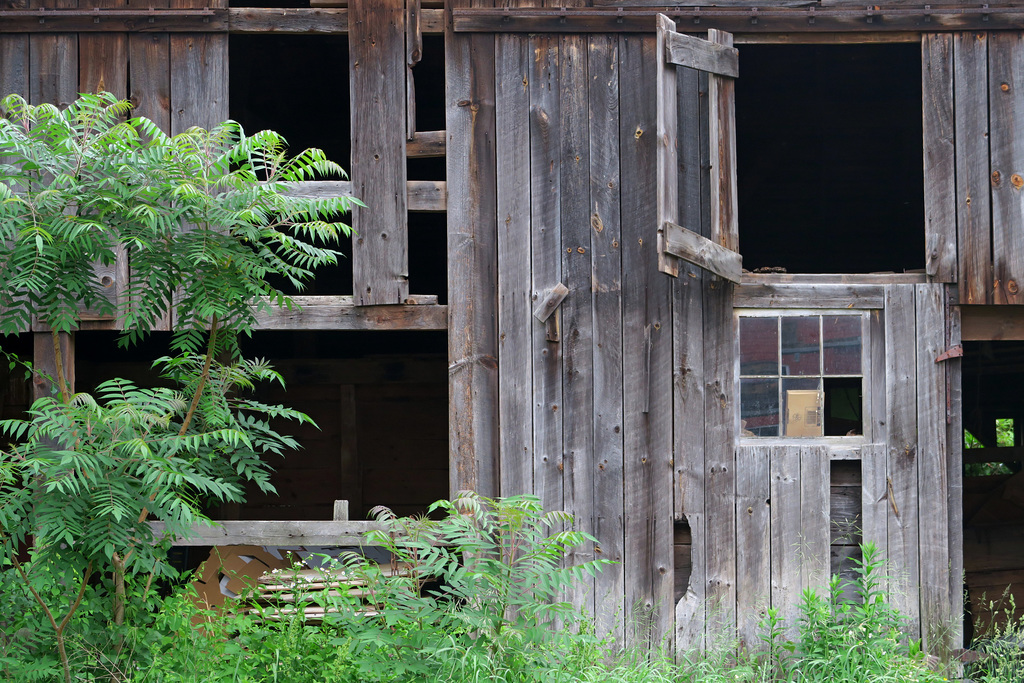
x,y
380,247
937,611
973,204
545,250
647,358
753,535
577,316
939,156
1006,147
902,451
515,320
606,255
688,364
472,258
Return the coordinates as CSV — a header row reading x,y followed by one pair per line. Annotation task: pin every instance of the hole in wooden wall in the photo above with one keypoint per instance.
x,y
845,517
830,166
682,546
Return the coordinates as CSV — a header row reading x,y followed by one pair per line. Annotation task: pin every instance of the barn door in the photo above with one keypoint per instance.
x,y
720,60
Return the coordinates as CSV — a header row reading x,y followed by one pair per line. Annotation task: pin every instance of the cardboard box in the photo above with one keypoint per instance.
x,y
803,412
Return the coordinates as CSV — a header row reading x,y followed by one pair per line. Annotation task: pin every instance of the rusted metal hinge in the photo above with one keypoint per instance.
x,y
952,352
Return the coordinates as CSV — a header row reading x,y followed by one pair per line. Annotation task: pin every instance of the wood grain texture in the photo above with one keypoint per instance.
x,y
103,58
668,165
343,313
199,75
1006,147
703,55
875,500
785,533
53,73
753,535
939,156
724,197
472,260
973,203
688,365
423,196
815,498
902,454
954,463
14,55
933,484
577,309
275,533
377,64
515,321
44,363
545,250
647,357
700,251
606,257
810,296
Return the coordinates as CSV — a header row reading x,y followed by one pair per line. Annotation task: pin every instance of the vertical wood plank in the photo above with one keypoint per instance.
x,y
14,56
724,199
1006,144
53,73
547,267
973,202
785,531
647,356
472,259
380,247
815,497
875,499
668,165
515,320
753,535
688,340
954,467
349,451
605,248
577,308
939,156
103,58
199,74
937,613
149,71
902,453
44,363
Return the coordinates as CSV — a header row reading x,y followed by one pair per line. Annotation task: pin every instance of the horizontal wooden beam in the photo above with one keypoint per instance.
x,y
341,313
424,196
992,323
429,143
695,53
702,252
275,533
322,20
740,19
749,295
835,279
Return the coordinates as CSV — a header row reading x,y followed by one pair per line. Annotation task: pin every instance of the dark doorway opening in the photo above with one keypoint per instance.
x,y
830,166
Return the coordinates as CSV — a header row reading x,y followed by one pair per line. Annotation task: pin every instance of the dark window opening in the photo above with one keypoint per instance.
x,y
830,167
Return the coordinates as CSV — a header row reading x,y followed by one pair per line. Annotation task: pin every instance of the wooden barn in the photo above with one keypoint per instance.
x,y
546,295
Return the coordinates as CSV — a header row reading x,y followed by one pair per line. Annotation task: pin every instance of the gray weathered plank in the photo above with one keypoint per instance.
x,y
426,196
939,156
426,143
809,296
515,340
577,309
53,72
973,203
1006,147
936,606
688,342
343,313
785,533
696,53
380,249
667,209
199,75
103,58
647,357
606,255
275,533
547,267
902,454
14,55
549,302
701,251
875,501
472,258
753,535
815,477
722,118
954,465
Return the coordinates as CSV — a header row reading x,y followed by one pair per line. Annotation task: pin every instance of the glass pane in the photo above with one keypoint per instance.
x,y
759,346
759,407
801,405
841,344
800,346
